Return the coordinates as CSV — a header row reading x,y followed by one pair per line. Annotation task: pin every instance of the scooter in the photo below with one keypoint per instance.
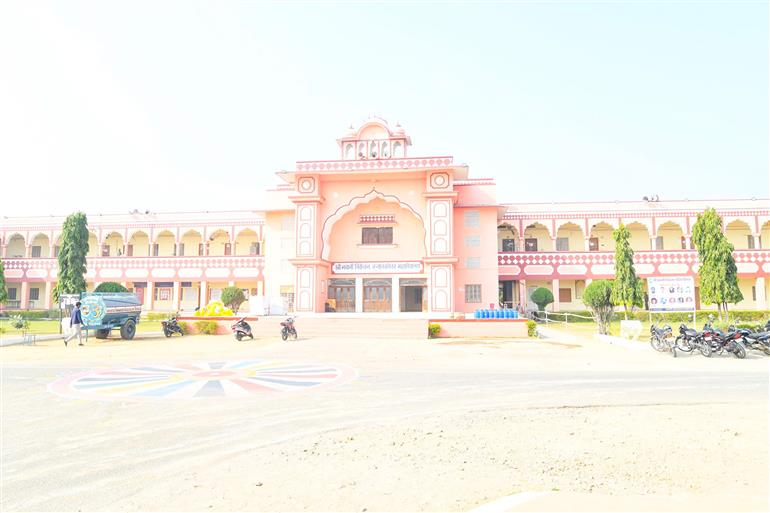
x,y
242,329
171,326
287,328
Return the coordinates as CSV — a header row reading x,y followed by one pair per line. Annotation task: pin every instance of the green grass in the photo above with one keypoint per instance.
x,y
46,327
588,329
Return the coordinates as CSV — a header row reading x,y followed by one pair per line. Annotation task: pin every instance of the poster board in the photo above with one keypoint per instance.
x,y
671,294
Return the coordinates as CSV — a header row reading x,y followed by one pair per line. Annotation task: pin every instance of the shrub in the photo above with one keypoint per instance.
x,y
186,327
214,309
157,316
598,297
233,297
110,286
20,323
206,327
531,328
542,297
433,329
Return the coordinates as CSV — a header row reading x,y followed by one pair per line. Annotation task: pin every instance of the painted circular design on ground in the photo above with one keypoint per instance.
x,y
200,380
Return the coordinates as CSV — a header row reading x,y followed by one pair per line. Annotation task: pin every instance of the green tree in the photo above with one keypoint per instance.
x,y
110,286
598,298
718,272
542,297
72,256
3,291
627,287
233,297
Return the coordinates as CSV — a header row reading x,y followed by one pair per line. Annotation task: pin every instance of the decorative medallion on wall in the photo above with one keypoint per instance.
x,y
439,180
307,184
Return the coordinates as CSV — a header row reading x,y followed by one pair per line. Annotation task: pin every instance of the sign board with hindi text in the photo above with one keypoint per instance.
x,y
376,267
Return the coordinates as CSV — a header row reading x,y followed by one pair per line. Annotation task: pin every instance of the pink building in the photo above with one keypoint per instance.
x,y
382,231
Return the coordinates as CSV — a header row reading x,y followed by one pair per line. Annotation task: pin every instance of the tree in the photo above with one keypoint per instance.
x,y
72,256
233,297
542,297
718,272
598,298
110,286
3,291
627,287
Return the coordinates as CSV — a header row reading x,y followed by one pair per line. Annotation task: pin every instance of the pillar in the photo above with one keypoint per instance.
x,y
555,289
521,244
359,294
204,292
761,303
523,294
23,301
588,244
395,295
47,297
175,296
149,295
757,241
553,244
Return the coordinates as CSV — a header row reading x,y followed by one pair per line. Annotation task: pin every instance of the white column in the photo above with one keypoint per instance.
x,y
757,241
47,297
555,287
175,296
395,294
359,294
523,294
761,303
149,295
202,300
24,295
588,244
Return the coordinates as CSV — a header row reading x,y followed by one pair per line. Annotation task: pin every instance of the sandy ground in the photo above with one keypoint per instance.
x,y
427,426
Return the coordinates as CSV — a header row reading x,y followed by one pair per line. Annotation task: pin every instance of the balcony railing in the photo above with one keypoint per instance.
x,y
600,264
363,165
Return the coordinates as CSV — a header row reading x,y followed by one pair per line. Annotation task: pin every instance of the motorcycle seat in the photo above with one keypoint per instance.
x,y
691,333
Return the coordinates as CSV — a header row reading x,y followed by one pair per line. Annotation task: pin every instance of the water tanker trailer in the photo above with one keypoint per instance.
x,y
106,311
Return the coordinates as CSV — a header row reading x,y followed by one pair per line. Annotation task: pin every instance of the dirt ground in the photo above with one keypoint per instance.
x,y
425,426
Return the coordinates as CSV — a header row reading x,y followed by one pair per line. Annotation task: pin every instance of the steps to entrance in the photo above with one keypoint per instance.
x,y
344,327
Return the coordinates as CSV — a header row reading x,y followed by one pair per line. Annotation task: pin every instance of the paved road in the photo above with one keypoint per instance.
x,y
57,448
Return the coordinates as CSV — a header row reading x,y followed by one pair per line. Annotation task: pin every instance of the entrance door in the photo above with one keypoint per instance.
x,y
413,296
341,296
377,295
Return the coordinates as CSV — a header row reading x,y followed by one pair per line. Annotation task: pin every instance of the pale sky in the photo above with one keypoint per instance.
x,y
167,106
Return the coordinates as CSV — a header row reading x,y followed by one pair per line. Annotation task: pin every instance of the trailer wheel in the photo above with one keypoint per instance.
x,y
102,333
128,330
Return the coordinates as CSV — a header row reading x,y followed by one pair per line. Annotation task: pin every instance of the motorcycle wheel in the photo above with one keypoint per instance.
x,y
239,336
683,344
294,334
284,334
705,349
740,350
167,333
656,344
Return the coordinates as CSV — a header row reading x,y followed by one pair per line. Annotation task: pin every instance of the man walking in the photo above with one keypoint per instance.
x,y
76,322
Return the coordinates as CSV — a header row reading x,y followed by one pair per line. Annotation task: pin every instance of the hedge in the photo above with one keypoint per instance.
x,y
743,316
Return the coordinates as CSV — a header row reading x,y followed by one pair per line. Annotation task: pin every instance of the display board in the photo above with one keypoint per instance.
x,y
671,294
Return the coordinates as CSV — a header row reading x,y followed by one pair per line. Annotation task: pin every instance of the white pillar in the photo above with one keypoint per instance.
x,y
395,294
757,241
587,244
359,294
203,299
555,286
761,303
47,297
149,295
175,296
523,300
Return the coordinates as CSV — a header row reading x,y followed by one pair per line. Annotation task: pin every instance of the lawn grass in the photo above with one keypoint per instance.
x,y
51,327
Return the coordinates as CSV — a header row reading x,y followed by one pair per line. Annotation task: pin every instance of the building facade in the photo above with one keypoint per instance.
x,y
383,232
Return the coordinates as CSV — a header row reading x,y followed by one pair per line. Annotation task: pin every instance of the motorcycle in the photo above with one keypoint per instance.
x,y
171,326
721,341
661,338
690,339
242,329
287,328
758,340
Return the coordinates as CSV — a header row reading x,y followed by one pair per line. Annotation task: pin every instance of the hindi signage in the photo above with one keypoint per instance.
x,y
671,294
376,267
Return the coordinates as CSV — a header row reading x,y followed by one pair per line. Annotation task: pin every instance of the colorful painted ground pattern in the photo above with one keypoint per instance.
x,y
200,380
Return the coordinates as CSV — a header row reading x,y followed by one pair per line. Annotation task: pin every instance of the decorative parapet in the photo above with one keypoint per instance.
x,y
194,268
594,264
375,164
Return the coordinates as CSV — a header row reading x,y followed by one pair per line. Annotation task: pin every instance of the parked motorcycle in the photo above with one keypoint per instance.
x,y
724,342
759,339
689,339
287,329
242,329
661,339
171,326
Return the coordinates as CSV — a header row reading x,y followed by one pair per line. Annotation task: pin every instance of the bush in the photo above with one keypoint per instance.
x,y
433,330
20,323
542,297
186,327
110,286
157,316
214,309
598,297
40,314
531,328
233,297
206,327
